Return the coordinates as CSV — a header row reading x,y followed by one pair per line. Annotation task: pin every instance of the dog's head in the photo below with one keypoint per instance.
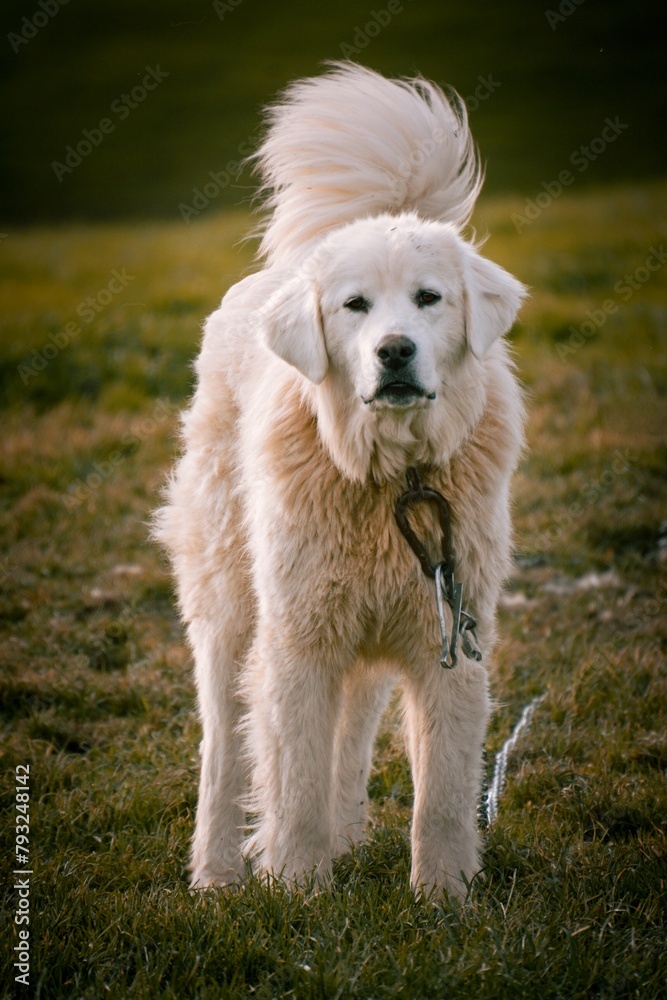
x,y
392,317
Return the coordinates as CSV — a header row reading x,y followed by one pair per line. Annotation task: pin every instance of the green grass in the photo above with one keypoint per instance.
x,y
95,688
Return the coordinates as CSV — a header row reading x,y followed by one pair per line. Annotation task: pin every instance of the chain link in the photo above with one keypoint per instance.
x,y
447,591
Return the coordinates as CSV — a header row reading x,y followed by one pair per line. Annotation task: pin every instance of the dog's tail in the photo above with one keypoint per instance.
x,y
351,144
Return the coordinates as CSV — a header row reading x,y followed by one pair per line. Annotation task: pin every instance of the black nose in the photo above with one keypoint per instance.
x,y
395,351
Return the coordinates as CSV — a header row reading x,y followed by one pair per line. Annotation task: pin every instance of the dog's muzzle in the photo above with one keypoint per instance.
x,y
397,384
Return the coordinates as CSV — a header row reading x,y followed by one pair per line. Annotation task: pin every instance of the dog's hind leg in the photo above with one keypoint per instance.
x,y
216,845
365,695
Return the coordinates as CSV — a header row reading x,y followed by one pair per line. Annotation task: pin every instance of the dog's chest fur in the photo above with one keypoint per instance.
x,y
330,552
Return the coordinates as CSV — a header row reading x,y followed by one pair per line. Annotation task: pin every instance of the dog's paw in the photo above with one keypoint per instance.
x,y
438,882
209,878
349,836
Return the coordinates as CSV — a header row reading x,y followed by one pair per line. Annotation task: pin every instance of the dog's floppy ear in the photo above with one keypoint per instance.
x,y
292,328
492,301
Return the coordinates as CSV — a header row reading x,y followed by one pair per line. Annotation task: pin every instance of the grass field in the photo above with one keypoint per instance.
x,y
99,327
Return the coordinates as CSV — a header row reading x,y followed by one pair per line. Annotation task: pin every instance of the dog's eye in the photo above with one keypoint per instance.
x,y
426,298
357,304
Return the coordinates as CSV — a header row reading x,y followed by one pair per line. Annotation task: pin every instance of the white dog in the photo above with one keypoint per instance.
x,y
367,346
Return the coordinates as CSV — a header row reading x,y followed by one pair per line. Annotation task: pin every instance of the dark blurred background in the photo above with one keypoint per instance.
x,y
540,81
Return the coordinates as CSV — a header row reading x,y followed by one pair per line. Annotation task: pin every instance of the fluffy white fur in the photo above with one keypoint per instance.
x,y
304,604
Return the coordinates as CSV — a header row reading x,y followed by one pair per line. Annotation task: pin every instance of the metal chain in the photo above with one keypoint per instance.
x,y
447,591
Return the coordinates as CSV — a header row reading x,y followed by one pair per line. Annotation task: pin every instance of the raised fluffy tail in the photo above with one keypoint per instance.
x,y
351,144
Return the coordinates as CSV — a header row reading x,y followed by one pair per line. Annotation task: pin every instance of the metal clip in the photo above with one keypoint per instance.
x,y
463,623
446,590
467,627
452,593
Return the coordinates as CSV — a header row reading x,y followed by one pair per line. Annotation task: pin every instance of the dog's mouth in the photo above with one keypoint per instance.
x,y
399,393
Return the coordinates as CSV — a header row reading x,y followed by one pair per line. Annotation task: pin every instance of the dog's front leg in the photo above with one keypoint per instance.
x,y
446,715
365,696
293,705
